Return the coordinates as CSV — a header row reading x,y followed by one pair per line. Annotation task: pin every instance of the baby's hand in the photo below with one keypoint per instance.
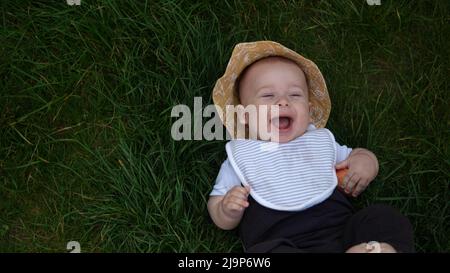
x,y
235,201
362,169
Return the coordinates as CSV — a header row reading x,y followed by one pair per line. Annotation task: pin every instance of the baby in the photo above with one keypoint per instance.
x,y
285,199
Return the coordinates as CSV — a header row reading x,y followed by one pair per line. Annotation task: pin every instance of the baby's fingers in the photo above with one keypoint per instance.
x,y
351,182
242,203
360,187
239,195
244,190
236,204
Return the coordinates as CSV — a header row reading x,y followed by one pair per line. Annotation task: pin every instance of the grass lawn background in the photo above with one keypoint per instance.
x,y
86,94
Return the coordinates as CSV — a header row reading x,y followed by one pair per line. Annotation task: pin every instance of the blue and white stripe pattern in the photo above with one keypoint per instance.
x,y
292,176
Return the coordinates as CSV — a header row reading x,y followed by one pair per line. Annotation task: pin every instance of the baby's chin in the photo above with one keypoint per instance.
x,y
286,138
283,137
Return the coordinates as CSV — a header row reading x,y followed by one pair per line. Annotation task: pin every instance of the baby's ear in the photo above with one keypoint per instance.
x,y
310,112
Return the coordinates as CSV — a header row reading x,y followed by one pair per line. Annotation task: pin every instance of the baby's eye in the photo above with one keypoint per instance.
x,y
267,96
296,95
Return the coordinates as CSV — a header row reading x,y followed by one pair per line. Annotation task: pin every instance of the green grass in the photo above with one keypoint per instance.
x,y
86,93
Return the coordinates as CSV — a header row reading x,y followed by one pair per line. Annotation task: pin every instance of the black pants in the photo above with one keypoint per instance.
x,y
331,226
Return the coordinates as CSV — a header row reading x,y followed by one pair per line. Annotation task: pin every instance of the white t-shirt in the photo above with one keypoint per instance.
x,y
227,177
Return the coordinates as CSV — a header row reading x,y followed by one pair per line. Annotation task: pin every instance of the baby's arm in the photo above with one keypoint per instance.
x,y
226,211
362,167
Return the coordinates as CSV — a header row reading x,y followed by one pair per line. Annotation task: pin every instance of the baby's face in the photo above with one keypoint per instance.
x,y
277,81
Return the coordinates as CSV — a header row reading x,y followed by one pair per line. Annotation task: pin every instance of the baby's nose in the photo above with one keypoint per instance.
x,y
283,102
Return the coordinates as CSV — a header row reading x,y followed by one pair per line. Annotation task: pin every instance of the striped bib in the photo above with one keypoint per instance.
x,y
290,176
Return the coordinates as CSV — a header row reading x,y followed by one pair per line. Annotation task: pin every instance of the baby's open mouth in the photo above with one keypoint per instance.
x,y
282,123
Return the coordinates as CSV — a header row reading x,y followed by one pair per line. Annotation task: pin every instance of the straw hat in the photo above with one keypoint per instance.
x,y
244,54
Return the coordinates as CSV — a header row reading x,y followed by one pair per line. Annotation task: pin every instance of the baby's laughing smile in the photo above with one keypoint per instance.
x,y
284,122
